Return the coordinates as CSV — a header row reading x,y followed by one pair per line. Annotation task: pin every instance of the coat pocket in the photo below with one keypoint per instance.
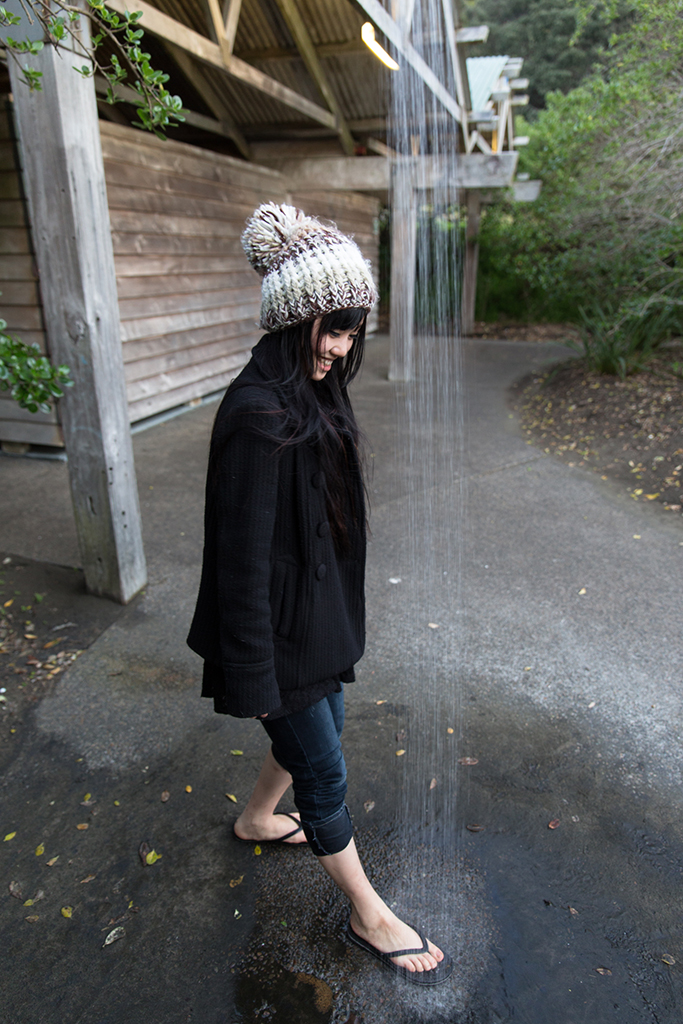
x,y
283,597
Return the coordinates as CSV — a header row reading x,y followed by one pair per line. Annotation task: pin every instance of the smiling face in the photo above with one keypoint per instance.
x,y
328,347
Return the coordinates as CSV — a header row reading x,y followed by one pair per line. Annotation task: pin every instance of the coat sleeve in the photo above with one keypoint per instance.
x,y
245,502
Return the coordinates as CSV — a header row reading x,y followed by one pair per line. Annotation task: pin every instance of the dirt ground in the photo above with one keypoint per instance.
x,y
630,431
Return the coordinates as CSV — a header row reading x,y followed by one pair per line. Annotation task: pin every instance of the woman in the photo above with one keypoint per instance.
x,y
280,613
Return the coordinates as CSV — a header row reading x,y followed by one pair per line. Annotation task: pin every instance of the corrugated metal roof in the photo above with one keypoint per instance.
x,y
483,73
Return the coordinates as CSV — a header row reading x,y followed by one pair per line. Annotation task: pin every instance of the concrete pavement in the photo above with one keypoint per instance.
x,y
569,701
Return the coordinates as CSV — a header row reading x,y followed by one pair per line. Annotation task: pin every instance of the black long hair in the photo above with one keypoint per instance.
x,y
320,413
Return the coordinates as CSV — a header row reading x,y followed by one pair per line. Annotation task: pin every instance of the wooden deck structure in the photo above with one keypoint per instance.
x,y
120,253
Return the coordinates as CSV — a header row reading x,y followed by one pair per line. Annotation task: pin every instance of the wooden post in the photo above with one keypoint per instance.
x,y
403,255
64,180
469,284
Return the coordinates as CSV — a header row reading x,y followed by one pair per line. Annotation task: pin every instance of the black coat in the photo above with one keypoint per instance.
x,y
280,616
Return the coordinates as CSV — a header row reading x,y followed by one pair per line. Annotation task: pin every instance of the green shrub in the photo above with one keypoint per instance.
x,y
30,378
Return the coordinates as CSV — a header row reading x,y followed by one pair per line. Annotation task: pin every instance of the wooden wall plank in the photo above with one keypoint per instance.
x,y
18,268
186,321
12,213
236,335
184,302
176,284
28,432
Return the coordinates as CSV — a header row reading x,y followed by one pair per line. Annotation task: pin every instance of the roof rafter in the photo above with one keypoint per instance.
x,y
199,82
204,49
302,38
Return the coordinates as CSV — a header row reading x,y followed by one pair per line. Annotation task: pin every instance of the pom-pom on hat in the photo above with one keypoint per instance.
x,y
308,268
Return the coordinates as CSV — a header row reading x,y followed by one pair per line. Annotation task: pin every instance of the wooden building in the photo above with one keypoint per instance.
x,y
120,253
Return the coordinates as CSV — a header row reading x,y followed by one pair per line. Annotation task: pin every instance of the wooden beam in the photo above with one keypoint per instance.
x,y
473,34
198,80
302,38
469,283
372,173
386,24
403,271
210,53
232,16
59,135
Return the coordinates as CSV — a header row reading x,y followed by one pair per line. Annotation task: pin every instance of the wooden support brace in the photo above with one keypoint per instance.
x,y
64,178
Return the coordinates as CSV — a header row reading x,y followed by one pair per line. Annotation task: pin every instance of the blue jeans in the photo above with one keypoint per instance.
x,y
307,744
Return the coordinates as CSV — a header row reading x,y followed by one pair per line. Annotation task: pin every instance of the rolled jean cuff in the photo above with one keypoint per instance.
x,y
331,835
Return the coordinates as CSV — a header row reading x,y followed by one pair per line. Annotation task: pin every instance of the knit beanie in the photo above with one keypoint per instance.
x,y
308,268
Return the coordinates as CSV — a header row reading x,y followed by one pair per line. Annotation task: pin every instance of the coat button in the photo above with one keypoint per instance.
x,y
318,479
321,571
323,529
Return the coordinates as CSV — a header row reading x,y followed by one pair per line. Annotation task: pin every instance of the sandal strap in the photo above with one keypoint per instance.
x,y
411,952
295,831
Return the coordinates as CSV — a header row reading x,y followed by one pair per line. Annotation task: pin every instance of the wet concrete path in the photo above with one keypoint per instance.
x,y
569,702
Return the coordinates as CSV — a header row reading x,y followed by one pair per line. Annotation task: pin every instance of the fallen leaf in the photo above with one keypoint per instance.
x,y
51,863
583,590
88,796
117,803
165,796
16,890
237,914
432,784
475,828
283,923
575,818
555,823
380,702
188,789
449,731
468,760
51,643
651,497
113,936
10,835
8,603
236,753
257,850
668,960
88,878
639,491
234,882
30,636
636,536
231,796
603,970
83,826
528,668
32,918
592,705
67,911
400,753
40,850
394,579
152,857
143,850
400,735
29,903
433,625
368,805
573,911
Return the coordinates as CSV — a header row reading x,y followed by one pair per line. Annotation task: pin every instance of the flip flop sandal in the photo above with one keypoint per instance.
x,y
436,976
280,839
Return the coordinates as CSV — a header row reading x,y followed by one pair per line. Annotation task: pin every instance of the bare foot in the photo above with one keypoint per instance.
x,y
391,933
269,828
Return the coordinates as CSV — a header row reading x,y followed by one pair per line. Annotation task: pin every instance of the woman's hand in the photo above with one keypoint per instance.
x,y
259,717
